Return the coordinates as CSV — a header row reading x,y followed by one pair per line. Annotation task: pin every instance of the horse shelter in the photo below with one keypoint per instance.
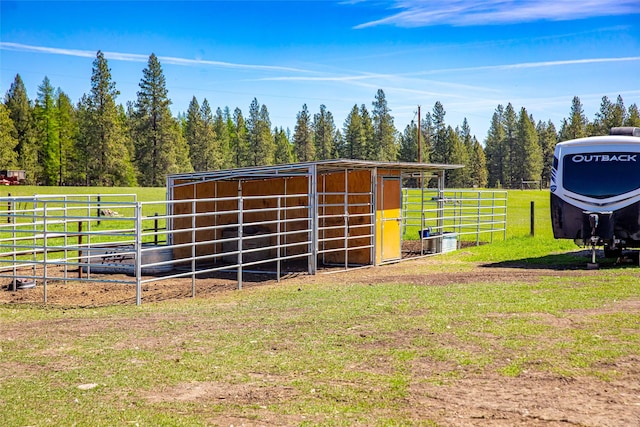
x,y
272,220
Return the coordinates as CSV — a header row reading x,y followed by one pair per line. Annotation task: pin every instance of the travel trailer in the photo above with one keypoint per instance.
x,y
595,191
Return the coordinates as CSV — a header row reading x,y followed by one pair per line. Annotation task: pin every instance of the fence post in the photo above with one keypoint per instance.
x,y
79,249
533,228
155,229
99,213
138,249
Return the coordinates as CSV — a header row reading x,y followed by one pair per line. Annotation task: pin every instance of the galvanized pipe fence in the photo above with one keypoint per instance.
x,y
118,240
438,216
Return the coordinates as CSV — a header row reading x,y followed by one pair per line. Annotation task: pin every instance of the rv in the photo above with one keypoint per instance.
x,y
595,191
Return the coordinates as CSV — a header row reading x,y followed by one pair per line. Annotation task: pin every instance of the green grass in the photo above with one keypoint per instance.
x,y
330,353
338,354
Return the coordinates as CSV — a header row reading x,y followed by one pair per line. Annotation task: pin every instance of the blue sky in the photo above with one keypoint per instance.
x,y
469,55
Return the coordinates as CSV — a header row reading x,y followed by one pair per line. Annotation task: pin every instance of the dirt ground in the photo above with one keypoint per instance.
x,y
477,399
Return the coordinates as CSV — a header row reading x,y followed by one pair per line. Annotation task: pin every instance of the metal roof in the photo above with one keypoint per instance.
x,y
304,168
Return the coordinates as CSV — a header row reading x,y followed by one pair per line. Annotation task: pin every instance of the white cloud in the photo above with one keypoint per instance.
x,y
420,13
134,57
541,64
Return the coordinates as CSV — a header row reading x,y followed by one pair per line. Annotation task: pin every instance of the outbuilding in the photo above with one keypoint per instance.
x,y
327,213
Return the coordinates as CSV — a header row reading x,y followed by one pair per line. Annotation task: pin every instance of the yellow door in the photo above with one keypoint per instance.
x,y
388,219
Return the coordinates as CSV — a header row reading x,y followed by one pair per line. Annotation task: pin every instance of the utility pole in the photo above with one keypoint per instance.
x,y
419,142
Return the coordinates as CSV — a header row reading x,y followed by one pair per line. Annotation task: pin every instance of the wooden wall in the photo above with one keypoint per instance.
x,y
262,211
353,225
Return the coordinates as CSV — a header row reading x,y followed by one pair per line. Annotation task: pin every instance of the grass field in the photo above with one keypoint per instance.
x,y
512,333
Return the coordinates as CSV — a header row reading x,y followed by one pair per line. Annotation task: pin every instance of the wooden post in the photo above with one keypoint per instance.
x,y
9,210
533,228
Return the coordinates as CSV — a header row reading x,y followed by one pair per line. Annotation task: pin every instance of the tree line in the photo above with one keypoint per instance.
x,y
97,142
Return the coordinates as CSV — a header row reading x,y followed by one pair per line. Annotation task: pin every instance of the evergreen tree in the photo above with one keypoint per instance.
x,y
633,116
205,154
426,138
303,137
478,161
510,161
159,145
284,153
527,157
238,135
368,133
576,126
494,151
46,118
324,133
21,114
548,138
456,154
353,142
193,130
103,147
385,134
467,142
67,135
409,144
337,143
261,142
439,149
619,112
604,118
223,142
8,140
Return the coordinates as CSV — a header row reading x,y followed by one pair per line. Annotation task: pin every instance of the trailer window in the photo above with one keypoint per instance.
x,y
601,175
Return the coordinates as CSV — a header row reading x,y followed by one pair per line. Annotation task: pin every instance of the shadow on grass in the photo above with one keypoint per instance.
x,y
576,260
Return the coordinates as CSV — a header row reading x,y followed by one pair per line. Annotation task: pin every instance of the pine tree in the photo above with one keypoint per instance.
x,y
576,126
104,149
527,158
193,133
409,144
510,161
238,135
261,142
548,138
385,146
204,152
466,138
46,118
494,149
439,148
21,114
67,135
324,133
619,112
604,118
305,150
353,140
368,134
456,154
8,140
478,162
284,153
633,116
160,147
426,138
223,143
